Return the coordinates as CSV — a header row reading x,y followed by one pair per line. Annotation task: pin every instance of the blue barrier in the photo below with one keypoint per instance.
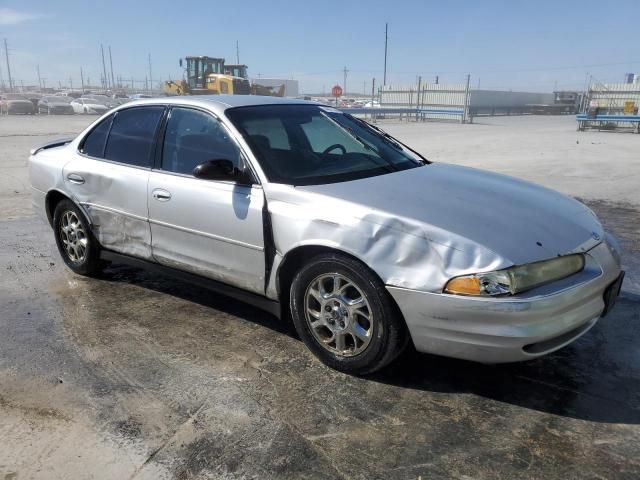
x,y
583,120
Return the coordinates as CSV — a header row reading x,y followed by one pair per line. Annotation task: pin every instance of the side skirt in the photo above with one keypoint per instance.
x,y
259,301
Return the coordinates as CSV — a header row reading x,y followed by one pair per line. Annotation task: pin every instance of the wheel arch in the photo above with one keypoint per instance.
x,y
53,198
297,256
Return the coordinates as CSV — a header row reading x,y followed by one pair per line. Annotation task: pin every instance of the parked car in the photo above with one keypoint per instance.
x,y
139,96
72,94
103,99
88,105
33,98
56,105
12,103
304,210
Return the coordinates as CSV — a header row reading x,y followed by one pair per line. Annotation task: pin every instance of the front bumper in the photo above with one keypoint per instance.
x,y
510,329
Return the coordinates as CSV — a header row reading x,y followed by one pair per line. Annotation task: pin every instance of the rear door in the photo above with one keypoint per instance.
x,y
211,228
109,175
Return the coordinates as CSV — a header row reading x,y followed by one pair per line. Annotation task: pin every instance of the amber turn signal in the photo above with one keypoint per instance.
x,y
464,286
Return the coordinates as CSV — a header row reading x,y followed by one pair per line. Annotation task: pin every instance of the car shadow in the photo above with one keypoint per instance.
x,y
597,378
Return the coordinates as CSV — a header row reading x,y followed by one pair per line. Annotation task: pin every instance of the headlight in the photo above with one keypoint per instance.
x,y
516,279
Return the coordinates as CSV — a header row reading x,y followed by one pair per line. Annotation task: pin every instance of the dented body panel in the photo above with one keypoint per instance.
x,y
419,228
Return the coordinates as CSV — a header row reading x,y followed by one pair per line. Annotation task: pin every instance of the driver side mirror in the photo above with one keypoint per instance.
x,y
221,170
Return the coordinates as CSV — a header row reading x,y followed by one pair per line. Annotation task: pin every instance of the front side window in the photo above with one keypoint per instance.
x,y
132,135
93,144
194,137
313,144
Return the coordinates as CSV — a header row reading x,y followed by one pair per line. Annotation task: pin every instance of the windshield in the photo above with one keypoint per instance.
x,y
309,144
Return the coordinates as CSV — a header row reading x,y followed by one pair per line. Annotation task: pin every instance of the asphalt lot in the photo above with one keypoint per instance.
x,y
139,376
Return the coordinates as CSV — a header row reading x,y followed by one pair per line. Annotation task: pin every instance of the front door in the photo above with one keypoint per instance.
x,y
211,228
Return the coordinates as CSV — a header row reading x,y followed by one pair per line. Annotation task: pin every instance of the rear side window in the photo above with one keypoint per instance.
x,y
94,143
132,134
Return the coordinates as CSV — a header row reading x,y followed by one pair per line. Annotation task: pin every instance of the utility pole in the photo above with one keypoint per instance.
x,y
345,71
113,82
373,93
82,79
39,81
465,114
386,38
6,53
104,70
70,83
150,76
237,53
419,98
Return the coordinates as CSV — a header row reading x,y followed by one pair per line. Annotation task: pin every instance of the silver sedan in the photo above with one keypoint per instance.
x,y
313,214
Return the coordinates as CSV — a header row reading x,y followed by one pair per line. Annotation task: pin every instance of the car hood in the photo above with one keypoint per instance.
x,y
20,102
517,220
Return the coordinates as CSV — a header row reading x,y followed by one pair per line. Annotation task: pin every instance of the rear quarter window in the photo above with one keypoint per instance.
x,y
94,143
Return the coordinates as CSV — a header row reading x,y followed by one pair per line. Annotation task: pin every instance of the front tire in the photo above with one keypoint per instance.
x,y
345,316
77,245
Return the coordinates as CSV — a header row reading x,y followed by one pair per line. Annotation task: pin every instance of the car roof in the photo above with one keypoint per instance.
x,y
220,102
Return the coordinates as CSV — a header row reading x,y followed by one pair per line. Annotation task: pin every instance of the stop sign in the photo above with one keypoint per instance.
x,y
336,91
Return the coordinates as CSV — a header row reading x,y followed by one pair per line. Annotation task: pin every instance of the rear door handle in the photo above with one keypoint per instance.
x,y
161,195
75,178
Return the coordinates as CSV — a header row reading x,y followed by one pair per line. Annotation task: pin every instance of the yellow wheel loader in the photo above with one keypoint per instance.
x,y
210,76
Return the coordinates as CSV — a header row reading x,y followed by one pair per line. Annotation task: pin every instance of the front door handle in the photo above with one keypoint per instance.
x,y
161,195
75,178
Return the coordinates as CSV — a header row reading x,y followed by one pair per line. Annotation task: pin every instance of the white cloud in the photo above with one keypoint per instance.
x,y
9,16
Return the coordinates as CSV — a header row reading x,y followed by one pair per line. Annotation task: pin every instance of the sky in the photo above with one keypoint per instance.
x,y
534,45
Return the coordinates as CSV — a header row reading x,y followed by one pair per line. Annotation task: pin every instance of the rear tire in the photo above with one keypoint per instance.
x,y
343,313
77,245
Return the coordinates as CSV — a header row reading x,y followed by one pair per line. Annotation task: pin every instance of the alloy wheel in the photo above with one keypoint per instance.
x,y
338,314
73,237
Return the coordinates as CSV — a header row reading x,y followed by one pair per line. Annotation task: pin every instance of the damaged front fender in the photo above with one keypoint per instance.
x,y
403,252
